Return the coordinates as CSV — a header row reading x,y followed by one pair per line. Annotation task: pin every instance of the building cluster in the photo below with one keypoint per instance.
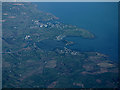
x,y
60,37
67,51
50,24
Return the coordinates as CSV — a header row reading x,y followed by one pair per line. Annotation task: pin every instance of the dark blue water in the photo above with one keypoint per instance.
x,y
49,45
98,18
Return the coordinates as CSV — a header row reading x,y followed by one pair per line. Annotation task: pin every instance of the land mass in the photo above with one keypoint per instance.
x,y
27,63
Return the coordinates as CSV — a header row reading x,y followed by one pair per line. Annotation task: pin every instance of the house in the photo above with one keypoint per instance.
x,y
27,37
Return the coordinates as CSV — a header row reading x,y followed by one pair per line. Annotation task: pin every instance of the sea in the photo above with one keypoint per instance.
x,y
99,18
